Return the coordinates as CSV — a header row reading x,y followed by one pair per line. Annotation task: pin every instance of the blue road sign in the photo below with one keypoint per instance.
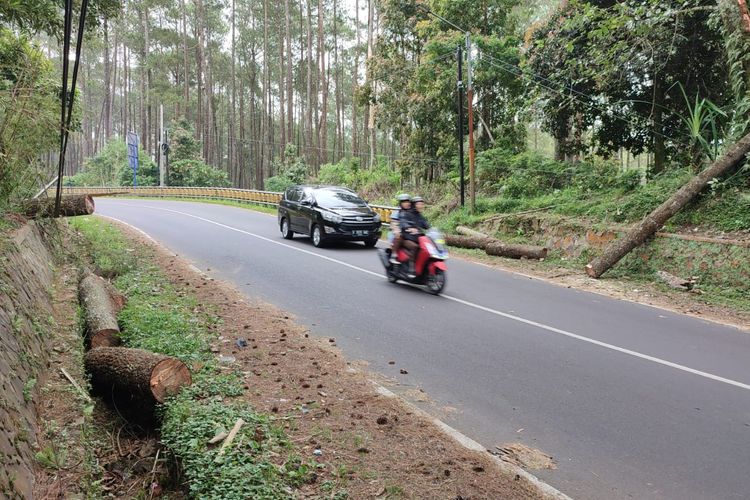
x,y
133,155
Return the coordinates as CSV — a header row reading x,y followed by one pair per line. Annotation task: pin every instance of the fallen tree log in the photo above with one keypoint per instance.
x,y
70,206
141,378
467,241
467,231
99,312
656,219
513,251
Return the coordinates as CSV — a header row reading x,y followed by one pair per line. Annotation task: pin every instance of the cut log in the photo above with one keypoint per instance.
x,y
467,231
511,251
99,311
70,206
140,377
467,241
656,219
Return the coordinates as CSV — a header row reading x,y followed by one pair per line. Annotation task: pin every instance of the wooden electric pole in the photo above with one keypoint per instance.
x,y
470,104
460,85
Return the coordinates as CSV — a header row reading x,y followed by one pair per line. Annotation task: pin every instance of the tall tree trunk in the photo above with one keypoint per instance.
x,y
107,85
142,97
282,95
232,140
186,64
289,75
310,99
339,149
266,132
198,30
659,148
370,108
322,117
355,83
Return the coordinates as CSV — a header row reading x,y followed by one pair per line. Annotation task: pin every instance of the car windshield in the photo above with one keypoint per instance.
x,y
338,199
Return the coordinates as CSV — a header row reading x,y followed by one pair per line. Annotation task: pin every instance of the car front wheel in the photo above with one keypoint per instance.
x,y
317,236
371,243
286,232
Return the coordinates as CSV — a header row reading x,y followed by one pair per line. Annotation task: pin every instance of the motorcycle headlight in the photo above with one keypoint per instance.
x,y
331,217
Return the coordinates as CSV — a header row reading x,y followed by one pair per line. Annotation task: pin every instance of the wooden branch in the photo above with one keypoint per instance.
x,y
237,425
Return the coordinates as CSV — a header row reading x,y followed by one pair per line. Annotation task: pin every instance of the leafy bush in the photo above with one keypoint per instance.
x,y
379,182
278,183
111,168
196,173
290,170
29,115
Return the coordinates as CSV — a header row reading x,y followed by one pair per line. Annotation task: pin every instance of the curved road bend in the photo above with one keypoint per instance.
x,y
632,401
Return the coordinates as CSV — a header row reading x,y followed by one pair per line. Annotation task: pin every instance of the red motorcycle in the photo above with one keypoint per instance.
x,y
429,268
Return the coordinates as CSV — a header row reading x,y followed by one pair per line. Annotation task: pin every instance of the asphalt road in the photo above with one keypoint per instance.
x,y
631,401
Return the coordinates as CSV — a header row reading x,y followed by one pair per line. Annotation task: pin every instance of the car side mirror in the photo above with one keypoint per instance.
x,y
305,203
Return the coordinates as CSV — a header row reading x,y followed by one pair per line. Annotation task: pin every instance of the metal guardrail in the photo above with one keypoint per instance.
x,y
271,198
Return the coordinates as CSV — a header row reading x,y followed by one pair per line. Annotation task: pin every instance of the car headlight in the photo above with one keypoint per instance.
x,y
331,217
376,219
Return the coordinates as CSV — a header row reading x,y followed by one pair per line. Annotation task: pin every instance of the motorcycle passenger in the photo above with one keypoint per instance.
x,y
413,224
404,205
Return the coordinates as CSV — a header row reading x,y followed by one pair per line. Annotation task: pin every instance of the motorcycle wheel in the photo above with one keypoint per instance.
x,y
436,282
391,277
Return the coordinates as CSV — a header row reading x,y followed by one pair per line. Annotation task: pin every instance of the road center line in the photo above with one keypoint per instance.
x,y
519,319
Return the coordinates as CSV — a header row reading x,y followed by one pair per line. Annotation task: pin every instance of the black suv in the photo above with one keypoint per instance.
x,y
327,213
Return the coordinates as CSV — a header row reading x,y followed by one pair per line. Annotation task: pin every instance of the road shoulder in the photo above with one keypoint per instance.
x,y
369,444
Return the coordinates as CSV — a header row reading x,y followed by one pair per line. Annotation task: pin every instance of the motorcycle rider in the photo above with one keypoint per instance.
x,y
413,224
404,205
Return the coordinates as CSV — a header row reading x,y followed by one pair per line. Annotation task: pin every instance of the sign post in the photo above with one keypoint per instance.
x,y
133,155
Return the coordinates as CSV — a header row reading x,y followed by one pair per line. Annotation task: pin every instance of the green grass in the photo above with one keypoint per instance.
x,y
260,463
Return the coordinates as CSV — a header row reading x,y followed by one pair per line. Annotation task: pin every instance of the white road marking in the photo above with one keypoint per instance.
x,y
513,317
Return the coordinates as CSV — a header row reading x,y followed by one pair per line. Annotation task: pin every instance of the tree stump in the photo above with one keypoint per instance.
x,y
141,378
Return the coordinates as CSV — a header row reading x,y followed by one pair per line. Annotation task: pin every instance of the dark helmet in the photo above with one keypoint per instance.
x,y
416,199
403,197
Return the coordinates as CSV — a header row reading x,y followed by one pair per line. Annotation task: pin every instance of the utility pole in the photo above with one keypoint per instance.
x,y
470,103
460,85
160,148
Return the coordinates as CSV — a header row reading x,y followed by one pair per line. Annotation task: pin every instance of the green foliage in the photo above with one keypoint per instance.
x,y
415,68
377,183
28,388
290,170
619,65
530,174
33,16
52,457
29,116
182,142
111,168
196,173
245,470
